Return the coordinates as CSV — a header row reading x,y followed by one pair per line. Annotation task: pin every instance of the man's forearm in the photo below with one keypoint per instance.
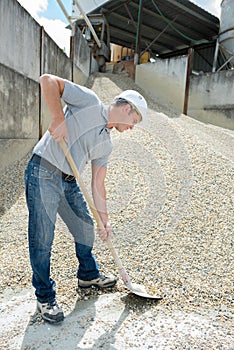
x,y
52,89
99,197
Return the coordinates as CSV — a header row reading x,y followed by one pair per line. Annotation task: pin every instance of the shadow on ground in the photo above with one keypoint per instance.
x,y
92,324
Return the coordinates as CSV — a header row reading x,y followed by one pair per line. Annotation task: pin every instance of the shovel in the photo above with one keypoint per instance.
x,y
135,288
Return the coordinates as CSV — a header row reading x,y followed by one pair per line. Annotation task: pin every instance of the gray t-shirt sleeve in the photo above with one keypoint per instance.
x,y
77,95
101,161
101,153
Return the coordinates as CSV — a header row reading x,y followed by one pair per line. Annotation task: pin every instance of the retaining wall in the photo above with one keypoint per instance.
x,y
211,98
26,52
210,95
164,80
19,39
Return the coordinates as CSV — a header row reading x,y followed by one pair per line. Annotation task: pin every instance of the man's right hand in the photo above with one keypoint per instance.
x,y
58,130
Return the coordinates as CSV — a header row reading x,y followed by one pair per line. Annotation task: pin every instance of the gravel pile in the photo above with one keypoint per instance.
x,y
170,199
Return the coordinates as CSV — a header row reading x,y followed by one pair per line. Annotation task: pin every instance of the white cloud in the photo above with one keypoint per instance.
x,y
34,7
54,27
56,30
215,7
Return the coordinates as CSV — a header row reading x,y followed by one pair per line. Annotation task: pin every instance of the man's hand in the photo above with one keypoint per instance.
x,y
106,233
58,130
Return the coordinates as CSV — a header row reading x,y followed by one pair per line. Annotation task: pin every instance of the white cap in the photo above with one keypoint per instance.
x,y
136,99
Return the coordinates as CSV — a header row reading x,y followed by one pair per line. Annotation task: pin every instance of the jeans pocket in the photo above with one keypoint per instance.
x,y
42,173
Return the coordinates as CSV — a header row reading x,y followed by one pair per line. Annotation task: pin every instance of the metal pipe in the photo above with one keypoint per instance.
x,y
158,36
230,58
138,34
89,24
215,56
189,71
64,11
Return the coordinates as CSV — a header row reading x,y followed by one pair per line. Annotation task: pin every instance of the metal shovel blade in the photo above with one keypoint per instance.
x,y
135,288
139,290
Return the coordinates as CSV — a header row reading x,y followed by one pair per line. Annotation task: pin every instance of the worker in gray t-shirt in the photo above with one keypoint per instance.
x,y
51,189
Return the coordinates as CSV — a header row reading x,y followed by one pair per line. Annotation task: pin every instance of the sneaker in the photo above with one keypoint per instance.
x,y
102,282
51,312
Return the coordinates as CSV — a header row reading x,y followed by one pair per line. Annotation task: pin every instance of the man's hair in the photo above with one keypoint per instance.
x,y
121,101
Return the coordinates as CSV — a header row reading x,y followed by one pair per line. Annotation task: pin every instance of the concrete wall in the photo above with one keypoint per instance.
x,y
210,94
211,98
26,52
19,39
53,61
164,80
19,115
19,98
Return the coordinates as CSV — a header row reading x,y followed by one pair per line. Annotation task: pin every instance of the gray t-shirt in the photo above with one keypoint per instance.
x,y
88,138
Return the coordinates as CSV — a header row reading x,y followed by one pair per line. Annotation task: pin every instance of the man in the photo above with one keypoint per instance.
x,y
51,188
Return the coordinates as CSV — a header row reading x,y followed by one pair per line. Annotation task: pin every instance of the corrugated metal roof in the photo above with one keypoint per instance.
x,y
167,25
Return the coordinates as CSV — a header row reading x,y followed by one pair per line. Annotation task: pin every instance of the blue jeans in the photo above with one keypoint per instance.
x,y
48,194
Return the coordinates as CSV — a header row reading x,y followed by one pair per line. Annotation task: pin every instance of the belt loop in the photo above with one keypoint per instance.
x,y
68,178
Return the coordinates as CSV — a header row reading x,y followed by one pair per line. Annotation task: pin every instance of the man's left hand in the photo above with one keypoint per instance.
x,y
106,233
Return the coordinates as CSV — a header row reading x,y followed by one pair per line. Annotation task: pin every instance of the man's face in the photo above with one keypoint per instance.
x,y
127,118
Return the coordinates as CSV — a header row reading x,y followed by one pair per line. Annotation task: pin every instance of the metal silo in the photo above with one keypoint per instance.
x,y
226,33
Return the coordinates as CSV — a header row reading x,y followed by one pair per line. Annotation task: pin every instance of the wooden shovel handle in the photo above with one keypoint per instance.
x,y
81,184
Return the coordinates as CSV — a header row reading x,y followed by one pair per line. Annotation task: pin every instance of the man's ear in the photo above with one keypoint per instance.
x,y
127,108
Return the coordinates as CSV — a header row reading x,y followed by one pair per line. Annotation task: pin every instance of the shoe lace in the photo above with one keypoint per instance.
x,y
52,305
103,277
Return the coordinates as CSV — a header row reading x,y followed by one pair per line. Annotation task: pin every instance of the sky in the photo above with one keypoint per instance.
x,y
48,14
